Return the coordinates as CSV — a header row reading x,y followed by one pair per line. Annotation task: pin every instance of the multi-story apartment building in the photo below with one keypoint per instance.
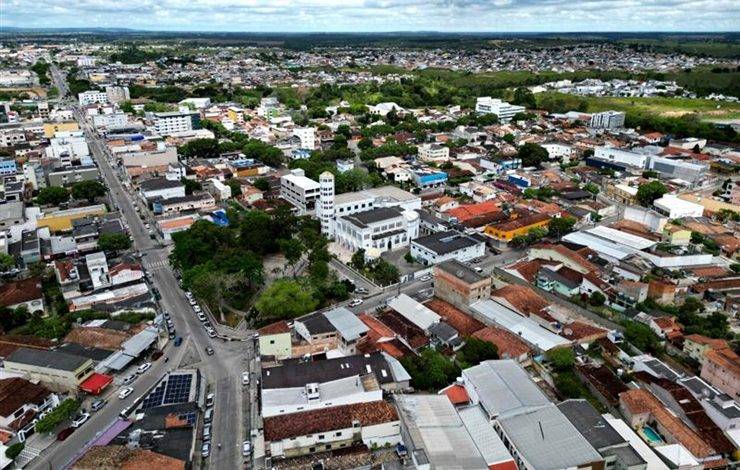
x,y
503,110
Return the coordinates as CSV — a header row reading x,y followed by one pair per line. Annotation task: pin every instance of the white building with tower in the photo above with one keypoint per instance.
x,y
325,207
503,110
301,191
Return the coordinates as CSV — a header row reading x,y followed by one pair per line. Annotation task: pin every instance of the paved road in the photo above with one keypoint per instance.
x,y
222,370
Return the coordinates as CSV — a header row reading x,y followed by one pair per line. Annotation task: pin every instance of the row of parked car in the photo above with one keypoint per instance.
x,y
201,316
205,449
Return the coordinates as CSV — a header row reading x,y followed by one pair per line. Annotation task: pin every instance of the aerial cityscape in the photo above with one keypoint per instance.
x,y
369,235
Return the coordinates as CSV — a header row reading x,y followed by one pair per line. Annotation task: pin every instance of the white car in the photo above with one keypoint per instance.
x,y
211,333
245,378
246,448
192,301
125,392
197,309
355,302
80,420
425,278
144,367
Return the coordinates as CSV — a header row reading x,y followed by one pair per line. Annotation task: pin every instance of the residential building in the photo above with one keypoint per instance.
x,y
117,94
623,157
377,230
70,175
161,188
516,226
459,284
375,424
427,178
696,346
307,135
503,110
339,324
300,191
433,153
721,368
97,266
20,402
450,244
51,128
174,122
607,120
11,214
57,370
92,97
275,340
24,293
61,220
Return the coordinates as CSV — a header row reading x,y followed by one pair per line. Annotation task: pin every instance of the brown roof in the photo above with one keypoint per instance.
x,y
96,337
710,271
711,342
529,269
604,381
508,344
580,331
725,358
640,400
667,323
20,291
456,318
718,284
327,419
413,335
275,328
523,298
115,457
16,392
520,222
572,255
9,343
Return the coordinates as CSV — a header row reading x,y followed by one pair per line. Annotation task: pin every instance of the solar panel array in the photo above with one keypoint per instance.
x,y
176,389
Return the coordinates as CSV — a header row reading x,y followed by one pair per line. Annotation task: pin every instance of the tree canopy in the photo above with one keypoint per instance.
x,y
286,299
89,190
647,193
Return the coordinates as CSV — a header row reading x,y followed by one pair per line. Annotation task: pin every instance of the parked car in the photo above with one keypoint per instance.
x,y
205,450
156,355
197,309
178,341
206,433
355,302
478,269
171,335
202,317
401,450
192,301
425,278
124,412
129,379
80,419
208,415
144,367
210,398
245,378
361,291
246,448
125,392
98,404
209,351
211,333
65,433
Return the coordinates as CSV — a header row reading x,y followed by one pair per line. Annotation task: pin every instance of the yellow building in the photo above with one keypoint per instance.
x,y
61,221
51,128
56,370
275,340
677,235
515,227
235,114
709,204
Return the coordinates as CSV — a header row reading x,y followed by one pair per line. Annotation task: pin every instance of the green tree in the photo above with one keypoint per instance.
x,y
191,185
475,351
641,336
114,242
560,226
358,260
64,411
408,257
649,192
383,272
53,195
6,262
532,154
127,107
235,185
430,370
292,249
591,188
89,190
561,359
596,299
200,148
509,139
524,97
262,184
285,299
14,450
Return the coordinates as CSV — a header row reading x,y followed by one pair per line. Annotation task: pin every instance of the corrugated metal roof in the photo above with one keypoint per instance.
x,y
526,329
481,431
618,236
139,342
547,440
414,312
600,245
346,323
504,388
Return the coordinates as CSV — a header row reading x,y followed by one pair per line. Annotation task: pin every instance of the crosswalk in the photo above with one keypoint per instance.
x,y
154,265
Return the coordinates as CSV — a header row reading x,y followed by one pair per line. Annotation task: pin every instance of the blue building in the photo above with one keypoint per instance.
x,y
429,178
8,167
520,181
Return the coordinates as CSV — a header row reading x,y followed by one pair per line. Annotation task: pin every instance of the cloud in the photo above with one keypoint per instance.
x,y
378,15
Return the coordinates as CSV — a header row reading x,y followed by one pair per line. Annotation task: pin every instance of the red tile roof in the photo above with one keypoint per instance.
x,y
275,328
580,331
457,394
523,298
327,419
529,269
465,324
16,392
508,344
20,291
726,359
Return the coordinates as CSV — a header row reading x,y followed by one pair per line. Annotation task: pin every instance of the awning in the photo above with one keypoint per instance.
x,y
96,383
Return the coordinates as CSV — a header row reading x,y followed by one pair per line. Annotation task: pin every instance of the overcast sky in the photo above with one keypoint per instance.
x,y
377,15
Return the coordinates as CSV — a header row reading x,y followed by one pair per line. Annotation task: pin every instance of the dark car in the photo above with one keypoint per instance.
x,y
156,355
178,341
65,433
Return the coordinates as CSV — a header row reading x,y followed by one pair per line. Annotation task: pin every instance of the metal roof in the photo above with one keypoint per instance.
x,y
528,330
414,312
504,388
623,238
547,440
599,245
481,431
139,342
653,461
346,323
434,426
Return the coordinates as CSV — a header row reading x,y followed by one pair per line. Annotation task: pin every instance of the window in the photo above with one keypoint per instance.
x,y
338,434
312,449
321,436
